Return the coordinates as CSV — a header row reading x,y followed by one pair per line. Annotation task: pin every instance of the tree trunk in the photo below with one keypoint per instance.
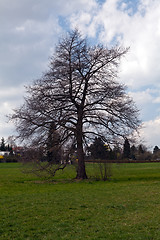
x,y
81,172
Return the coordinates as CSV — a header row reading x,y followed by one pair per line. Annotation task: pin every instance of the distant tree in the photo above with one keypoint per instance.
x,y
156,153
11,142
2,146
141,149
133,152
116,152
53,145
126,149
8,147
156,149
80,94
143,153
98,149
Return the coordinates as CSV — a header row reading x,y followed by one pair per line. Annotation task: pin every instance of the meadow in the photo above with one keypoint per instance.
x,y
125,207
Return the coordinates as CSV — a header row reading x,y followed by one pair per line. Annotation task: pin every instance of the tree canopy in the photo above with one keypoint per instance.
x,y
80,94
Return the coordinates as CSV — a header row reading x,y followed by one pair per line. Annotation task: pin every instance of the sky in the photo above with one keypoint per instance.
x,y
30,29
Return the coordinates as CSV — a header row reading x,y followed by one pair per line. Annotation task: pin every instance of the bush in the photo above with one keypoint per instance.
x,y
102,170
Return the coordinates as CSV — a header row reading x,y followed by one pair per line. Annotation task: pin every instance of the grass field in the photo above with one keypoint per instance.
x,y
126,207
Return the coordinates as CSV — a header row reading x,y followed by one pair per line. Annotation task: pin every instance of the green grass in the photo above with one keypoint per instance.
x,y
126,207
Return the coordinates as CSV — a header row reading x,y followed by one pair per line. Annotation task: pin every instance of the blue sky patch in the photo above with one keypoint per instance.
x,y
128,6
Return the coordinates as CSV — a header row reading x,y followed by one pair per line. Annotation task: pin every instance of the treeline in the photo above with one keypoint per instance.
x,y
7,153
5,147
99,150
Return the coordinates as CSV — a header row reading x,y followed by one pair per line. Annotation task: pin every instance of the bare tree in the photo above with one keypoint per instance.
x,y
80,94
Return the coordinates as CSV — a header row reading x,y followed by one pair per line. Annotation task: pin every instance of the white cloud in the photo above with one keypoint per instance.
x,y
10,98
157,100
12,93
139,30
143,97
84,19
134,24
148,103
30,29
150,132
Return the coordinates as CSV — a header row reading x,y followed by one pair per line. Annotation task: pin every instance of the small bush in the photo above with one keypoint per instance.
x,y
102,170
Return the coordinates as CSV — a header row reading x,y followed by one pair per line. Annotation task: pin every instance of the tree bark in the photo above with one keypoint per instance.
x,y
81,172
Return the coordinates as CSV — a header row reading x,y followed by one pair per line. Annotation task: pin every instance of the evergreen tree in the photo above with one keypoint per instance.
x,y
126,149
2,146
133,151
141,149
156,149
98,149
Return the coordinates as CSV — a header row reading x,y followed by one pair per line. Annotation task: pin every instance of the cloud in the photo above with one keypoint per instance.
x,y
131,25
148,103
30,30
10,98
134,24
142,97
150,132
